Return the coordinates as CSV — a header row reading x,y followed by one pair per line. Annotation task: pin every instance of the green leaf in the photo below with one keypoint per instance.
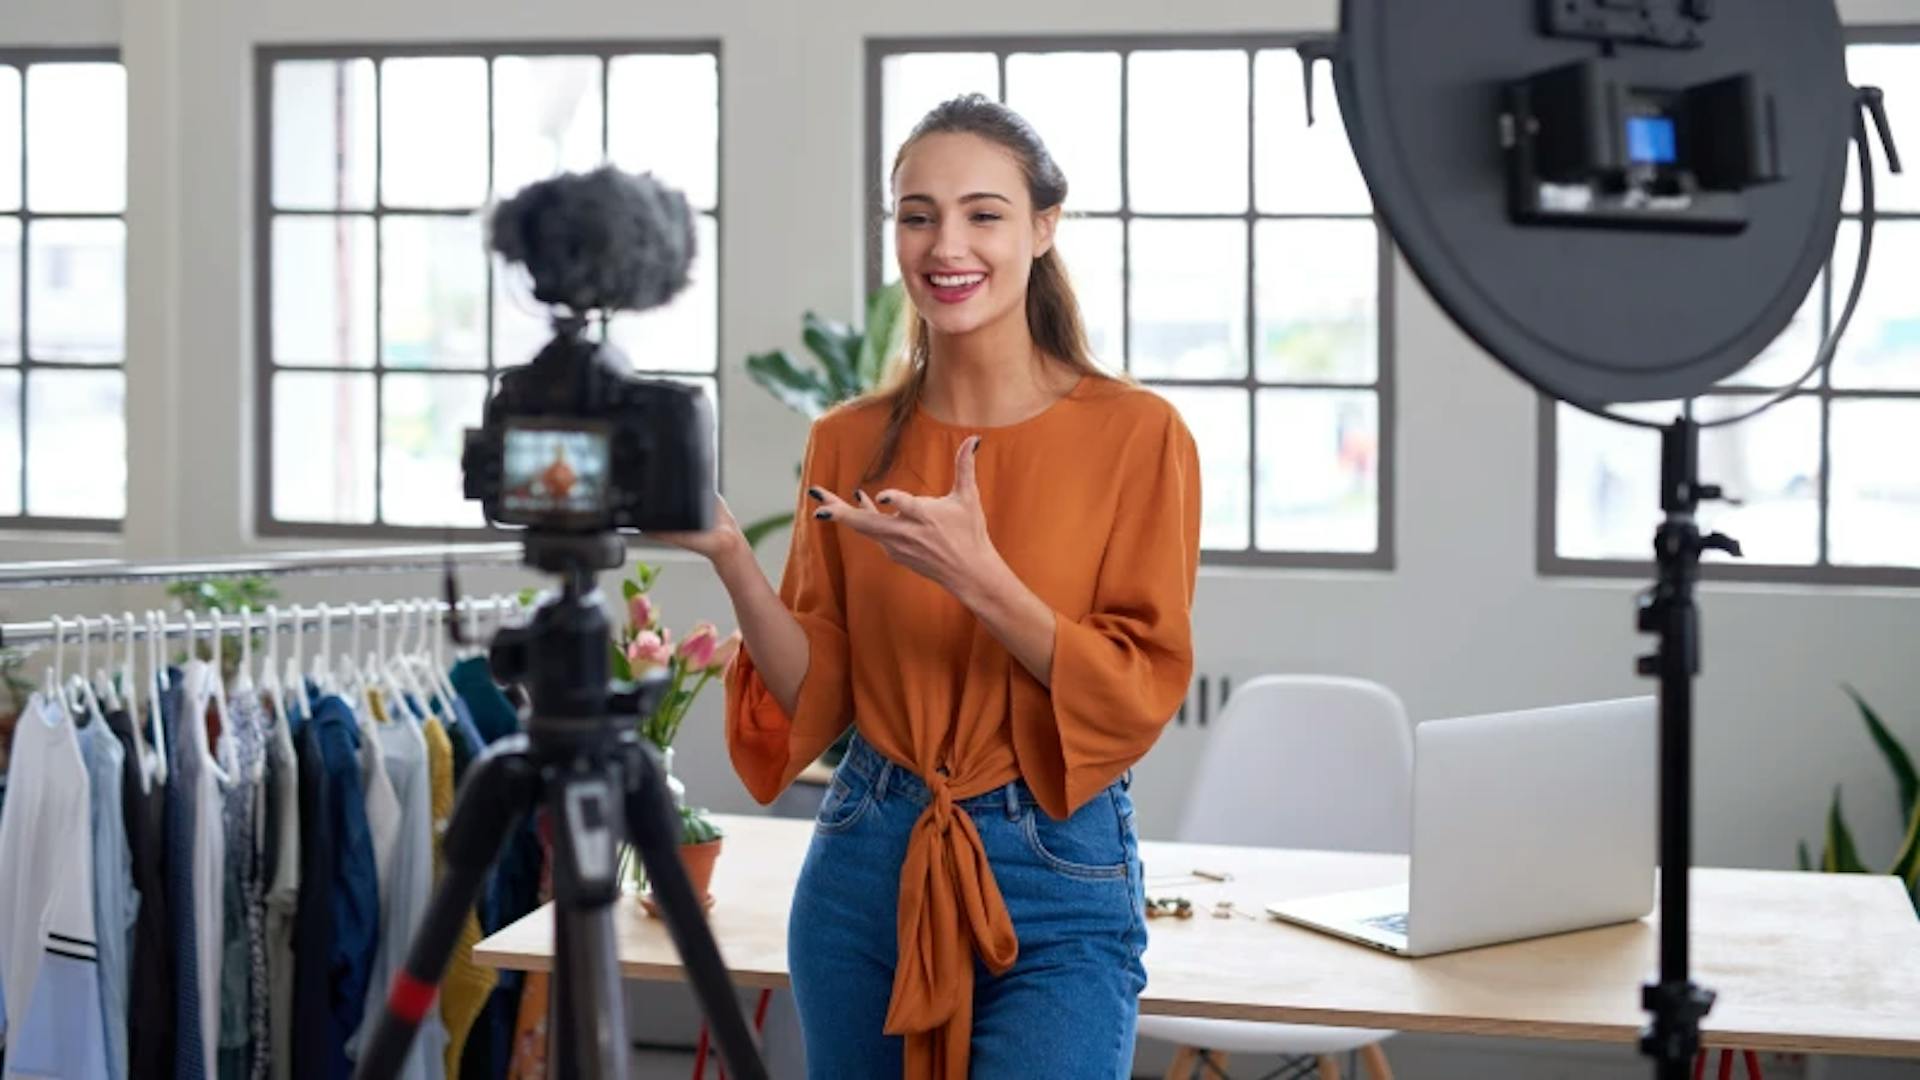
x,y
837,346
621,669
882,338
1805,863
802,391
1906,864
629,589
1893,751
1842,857
766,527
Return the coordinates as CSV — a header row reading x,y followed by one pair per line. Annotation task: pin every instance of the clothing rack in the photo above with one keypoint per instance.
x,y
292,620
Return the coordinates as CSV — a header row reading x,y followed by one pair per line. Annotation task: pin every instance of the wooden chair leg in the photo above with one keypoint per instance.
x,y
1183,1061
1217,1059
1329,1067
1374,1061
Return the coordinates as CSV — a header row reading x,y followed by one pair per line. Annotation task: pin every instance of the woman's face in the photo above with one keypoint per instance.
x,y
965,231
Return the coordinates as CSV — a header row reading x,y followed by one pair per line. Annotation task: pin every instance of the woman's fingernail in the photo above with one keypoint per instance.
x,y
976,444
822,514
815,493
886,500
858,495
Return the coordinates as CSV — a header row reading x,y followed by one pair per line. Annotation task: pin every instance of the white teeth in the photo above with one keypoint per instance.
x,y
954,281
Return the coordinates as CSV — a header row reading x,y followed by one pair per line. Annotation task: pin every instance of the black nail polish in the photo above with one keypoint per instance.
x,y
976,445
858,495
815,494
886,500
822,515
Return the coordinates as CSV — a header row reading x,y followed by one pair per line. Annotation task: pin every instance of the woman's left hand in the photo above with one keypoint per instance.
x,y
944,539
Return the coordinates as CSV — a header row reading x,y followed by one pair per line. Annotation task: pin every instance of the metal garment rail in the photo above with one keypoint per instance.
x,y
397,560
294,619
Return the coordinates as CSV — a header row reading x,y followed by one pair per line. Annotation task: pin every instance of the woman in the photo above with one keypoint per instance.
x,y
990,577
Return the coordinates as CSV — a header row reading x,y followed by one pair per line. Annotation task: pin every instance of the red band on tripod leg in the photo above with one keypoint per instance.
x,y
411,998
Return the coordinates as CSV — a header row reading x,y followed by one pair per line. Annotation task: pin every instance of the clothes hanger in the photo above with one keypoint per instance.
x,y
142,756
103,688
322,662
243,675
80,700
270,687
216,690
296,680
157,678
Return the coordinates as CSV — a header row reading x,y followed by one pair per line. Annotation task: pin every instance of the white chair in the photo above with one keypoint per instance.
x,y
1296,761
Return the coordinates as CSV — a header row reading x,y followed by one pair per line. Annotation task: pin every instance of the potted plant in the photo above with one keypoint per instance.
x,y
646,646
1839,854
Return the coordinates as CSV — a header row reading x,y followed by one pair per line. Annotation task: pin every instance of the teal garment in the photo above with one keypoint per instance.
x,y
493,714
116,904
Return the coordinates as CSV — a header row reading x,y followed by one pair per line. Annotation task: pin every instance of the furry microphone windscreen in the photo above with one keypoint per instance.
x,y
604,240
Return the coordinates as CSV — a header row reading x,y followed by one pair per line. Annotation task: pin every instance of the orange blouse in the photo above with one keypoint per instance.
x,y
1095,505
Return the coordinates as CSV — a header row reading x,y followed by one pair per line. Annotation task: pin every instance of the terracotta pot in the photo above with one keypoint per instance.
x,y
699,860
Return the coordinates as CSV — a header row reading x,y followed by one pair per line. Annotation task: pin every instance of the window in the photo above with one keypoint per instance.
x,y
63,308
1223,252
383,318
1826,479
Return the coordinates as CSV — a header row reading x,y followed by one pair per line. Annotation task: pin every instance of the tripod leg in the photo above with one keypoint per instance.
x,y
501,788
585,811
654,828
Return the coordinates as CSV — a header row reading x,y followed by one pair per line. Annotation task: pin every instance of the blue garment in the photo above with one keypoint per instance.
x,y
467,743
493,714
355,893
1075,891
313,909
189,1053
115,903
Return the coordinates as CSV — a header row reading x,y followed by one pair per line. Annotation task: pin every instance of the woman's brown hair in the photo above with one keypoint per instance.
x,y
1053,314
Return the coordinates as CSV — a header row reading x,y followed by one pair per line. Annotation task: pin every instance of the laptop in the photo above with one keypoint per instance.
x,y
1524,824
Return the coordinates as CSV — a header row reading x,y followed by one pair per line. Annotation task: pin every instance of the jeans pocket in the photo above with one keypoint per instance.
x,y
844,804
1090,844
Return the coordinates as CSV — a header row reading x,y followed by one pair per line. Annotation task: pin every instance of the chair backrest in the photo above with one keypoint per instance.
x,y
1305,761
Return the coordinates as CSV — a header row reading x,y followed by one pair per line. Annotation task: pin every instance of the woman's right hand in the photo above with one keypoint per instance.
x,y
722,539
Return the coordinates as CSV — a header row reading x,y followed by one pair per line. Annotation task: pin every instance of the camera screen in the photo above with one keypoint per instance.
x,y
1650,140
550,471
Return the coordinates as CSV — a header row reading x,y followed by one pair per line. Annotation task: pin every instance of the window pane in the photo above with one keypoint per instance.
x,y
422,423
911,84
9,290
1875,517
1790,354
1090,248
1073,101
1608,480
77,444
1772,464
1301,169
77,138
1187,131
1895,69
1319,300
9,443
665,118
1218,420
323,291
1319,470
546,118
323,447
1189,297
679,336
77,291
432,292
433,132
9,139
522,326
323,134
1882,348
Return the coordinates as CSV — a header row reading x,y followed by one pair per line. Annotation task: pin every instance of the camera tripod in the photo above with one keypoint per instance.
x,y
581,760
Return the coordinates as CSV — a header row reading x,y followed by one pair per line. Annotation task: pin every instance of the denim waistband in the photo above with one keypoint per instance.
x,y
889,777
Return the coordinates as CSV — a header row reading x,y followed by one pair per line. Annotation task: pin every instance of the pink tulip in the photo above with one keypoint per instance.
x,y
640,612
697,649
724,652
650,650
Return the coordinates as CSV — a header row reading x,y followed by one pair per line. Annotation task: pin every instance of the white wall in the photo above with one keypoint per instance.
x,y
1462,624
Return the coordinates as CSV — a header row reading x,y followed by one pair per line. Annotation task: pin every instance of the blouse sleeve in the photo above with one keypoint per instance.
x,y
1120,671
768,747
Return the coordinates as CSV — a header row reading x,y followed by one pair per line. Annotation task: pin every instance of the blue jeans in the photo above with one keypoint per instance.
x,y
1074,889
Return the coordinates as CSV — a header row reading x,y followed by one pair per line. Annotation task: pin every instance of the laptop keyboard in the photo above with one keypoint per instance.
x,y
1395,923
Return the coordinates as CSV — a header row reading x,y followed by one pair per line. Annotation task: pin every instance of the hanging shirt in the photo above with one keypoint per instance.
x,y
191,1061
150,1020
406,891
383,805
204,854
115,903
1094,503
283,891
49,961
464,988
492,713
348,885
242,753
312,1021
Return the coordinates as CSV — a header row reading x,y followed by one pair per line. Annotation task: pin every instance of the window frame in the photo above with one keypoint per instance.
x,y
264,365
1384,386
22,58
1551,564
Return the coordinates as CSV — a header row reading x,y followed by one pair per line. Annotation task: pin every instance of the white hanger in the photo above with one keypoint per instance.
x,y
143,757
157,688
322,663
270,687
219,668
216,695
243,676
50,675
102,679
296,678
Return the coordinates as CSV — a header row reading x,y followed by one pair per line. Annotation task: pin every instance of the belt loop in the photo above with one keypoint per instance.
x,y
1013,799
880,781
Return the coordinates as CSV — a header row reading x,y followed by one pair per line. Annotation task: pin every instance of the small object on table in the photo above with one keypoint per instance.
x,y
1178,907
